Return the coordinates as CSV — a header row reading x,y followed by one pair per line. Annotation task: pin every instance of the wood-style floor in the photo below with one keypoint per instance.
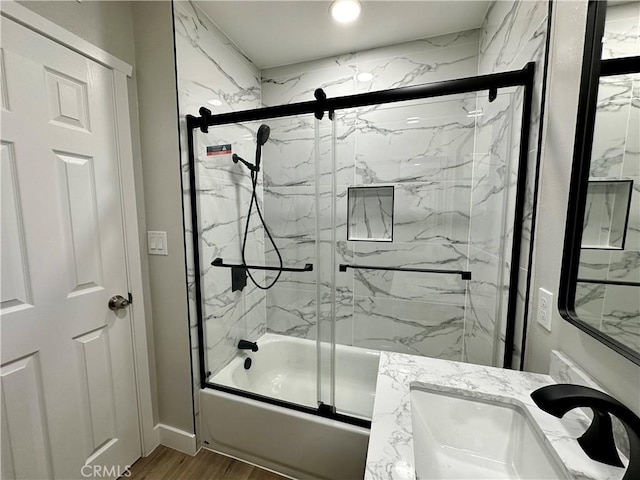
x,y
167,464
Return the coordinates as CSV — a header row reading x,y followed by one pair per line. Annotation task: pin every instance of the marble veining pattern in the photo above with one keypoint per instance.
x,y
508,29
423,149
514,33
485,304
210,68
622,30
371,214
433,330
451,161
390,453
415,286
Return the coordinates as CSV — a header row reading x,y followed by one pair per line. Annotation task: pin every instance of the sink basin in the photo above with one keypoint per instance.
x,y
455,436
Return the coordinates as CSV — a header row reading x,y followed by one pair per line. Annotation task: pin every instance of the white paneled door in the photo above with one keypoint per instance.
x,y
69,405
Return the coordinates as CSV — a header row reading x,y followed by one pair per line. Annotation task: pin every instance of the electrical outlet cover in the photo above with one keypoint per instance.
x,y
545,308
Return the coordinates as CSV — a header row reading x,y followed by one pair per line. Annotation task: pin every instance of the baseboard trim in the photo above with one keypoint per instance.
x,y
177,439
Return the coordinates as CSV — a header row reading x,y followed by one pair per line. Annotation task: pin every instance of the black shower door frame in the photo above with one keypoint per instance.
x,y
321,105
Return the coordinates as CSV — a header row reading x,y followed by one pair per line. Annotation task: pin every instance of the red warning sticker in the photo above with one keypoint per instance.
x,y
219,150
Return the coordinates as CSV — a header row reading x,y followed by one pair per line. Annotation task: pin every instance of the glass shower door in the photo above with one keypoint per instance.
x,y
375,198
282,319
325,273
354,369
420,185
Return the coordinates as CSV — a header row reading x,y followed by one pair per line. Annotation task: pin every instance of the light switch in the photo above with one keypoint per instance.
x,y
157,243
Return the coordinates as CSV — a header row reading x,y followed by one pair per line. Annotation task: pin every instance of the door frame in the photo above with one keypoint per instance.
x,y
121,71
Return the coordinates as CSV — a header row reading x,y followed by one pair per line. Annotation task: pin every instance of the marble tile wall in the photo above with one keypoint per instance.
x,y
210,69
424,150
513,34
615,309
622,30
476,182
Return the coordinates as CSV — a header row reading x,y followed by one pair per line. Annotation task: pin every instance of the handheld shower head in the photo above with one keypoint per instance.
x,y
261,138
263,134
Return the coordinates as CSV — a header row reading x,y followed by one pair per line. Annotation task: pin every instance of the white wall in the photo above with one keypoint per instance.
x,y
155,69
616,374
106,24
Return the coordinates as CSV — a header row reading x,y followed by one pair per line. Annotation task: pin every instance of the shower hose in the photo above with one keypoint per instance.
x,y
254,199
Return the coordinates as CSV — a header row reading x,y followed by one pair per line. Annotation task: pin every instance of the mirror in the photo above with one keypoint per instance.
x,y
600,283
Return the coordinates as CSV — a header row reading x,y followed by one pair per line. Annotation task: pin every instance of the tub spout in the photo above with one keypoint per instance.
x,y
247,345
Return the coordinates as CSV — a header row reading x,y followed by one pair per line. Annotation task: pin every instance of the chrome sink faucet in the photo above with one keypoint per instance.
x,y
597,442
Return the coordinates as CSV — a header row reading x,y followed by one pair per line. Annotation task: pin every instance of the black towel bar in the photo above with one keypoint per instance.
x,y
218,262
621,283
465,275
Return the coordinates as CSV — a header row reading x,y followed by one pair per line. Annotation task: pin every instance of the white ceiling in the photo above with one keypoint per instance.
x,y
274,33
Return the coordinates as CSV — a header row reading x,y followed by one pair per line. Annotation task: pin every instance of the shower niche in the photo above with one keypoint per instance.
x,y
607,214
370,213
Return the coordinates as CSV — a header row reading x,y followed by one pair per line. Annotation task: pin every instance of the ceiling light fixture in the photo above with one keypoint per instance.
x,y
345,11
364,77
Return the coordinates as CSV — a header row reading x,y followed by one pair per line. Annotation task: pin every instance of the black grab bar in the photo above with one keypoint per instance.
x,y
218,262
239,271
465,275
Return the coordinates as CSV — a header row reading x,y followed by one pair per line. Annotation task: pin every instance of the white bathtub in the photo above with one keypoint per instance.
x,y
293,443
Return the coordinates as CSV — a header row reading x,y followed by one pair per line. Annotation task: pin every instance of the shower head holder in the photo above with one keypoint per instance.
x,y
250,166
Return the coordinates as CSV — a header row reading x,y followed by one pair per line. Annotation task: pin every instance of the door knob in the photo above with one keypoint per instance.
x,y
118,302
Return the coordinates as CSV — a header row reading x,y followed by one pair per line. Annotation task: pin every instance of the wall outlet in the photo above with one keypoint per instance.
x,y
157,243
545,308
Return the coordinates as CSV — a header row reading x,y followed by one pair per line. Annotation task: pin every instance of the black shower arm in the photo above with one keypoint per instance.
x,y
238,158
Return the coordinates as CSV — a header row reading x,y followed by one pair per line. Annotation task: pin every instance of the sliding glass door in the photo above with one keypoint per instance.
x,y
322,242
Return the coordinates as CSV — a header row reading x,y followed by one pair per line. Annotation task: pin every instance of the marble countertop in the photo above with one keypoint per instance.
x,y
390,453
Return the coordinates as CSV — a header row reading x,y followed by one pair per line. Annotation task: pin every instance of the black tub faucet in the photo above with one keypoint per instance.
x,y
247,345
597,442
